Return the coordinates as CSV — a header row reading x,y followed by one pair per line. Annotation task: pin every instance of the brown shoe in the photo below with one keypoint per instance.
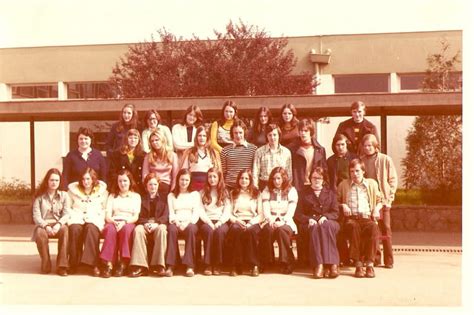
x,y
189,272
233,273
318,272
326,272
95,271
216,271
62,271
169,272
207,271
359,273
369,272
107,271
333,271
119,271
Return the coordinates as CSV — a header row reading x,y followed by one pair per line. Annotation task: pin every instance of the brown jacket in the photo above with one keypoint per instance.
x,y
386,177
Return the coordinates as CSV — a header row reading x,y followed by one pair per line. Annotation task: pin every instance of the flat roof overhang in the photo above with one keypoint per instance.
x,y
390,104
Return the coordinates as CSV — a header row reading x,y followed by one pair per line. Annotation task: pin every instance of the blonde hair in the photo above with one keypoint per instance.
x,y
162,154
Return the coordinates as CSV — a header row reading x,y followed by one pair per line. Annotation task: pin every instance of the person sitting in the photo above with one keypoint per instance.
x,y
360,200
149,236
317,213
50,215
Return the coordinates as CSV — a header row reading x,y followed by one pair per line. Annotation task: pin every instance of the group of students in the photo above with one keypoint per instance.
x,y
237,190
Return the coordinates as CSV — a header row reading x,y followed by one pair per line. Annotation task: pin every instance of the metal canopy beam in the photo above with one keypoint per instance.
x,y
390,104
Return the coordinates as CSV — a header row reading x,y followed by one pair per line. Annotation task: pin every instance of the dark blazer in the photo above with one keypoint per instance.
x,y
153,211
119,161
74,165
299,163
347,128
114,139
310,206
332,168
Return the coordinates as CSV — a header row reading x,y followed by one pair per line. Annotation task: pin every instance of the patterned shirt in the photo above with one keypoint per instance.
x,y
235,158
267,159
359,199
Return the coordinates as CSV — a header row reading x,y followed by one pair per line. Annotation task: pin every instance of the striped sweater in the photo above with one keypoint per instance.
x,y
235,158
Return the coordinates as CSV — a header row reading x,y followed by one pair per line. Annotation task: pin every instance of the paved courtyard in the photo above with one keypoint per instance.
x,y
427,273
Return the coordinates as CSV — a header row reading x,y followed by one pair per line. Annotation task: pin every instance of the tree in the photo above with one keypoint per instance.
x,y
434,143
242,61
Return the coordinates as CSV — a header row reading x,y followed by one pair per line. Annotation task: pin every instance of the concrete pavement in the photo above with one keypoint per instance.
x,y
427,273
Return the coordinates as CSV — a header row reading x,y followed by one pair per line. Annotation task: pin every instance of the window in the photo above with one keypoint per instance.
x,y
35,91
89,90
359,83
414,81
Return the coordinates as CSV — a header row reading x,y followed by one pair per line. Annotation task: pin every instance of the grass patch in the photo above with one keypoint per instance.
x,y
424,197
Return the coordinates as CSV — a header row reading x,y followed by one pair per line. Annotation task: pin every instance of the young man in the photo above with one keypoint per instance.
x,y
269,156
381,168
356,127
360,200
338,163
238,155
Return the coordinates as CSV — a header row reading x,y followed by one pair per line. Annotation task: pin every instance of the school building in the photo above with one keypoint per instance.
x,y
37,84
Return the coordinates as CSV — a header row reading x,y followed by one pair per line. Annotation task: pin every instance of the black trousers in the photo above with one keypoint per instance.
x,y
213,243
386,230
282,235
323,243
173,256
244,244
84,244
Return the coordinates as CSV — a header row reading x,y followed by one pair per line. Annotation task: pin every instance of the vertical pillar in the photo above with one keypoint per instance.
x,y
5,92
32,156
394,83
383,132
62,91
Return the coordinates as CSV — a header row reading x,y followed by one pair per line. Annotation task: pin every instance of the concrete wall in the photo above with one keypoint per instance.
x,y
404,218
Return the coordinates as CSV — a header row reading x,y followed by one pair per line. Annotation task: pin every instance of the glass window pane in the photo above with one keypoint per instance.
x,y
35,91
89,90
359,83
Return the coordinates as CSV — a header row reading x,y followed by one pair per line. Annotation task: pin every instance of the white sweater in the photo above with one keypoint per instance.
x,y
187,207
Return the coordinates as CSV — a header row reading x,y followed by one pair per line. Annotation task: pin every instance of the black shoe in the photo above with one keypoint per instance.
x,y
46,266
62,271
333,271
138,272
369,272
107,271
389,266
286,270
233,272
120,270
318,272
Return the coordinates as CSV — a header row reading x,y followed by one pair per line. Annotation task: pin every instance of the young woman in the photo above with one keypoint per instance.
x,y
279,202
161,161
87,200
184,207
123,208
153,123
85,156
318,211
216,213
258,133
185,132
130,157
200,158
128,120
289,126
220,130
149,236
50,214
245,218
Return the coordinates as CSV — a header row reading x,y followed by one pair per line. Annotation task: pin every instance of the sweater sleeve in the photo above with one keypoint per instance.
x,y
266,204
172,214
174,170
292,203
198,208
213,135
37,217
180,137
392,180
226,212
256,168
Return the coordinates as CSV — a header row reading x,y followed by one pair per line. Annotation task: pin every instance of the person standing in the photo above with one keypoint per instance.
x,y
356,127
259,130
289,126
360,200
269,156
50,215
338,163
153,122
128,120
237,156
381,168
185,132
220,129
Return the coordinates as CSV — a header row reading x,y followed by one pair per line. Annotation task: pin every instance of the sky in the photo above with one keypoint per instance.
x,y
30,23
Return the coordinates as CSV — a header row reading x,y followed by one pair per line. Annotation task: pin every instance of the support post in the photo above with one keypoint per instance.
x,y
383,132
32,156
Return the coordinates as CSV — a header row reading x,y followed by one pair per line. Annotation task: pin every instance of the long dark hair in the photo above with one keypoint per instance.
x,y
231,104
133,124
115,190
258,127
253,191
197,111
292,108
43,187
192,153
285,185
221,191
182,172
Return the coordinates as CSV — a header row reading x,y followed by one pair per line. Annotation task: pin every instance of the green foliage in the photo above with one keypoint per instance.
x,y
425,197
434,143
243,60
14,190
